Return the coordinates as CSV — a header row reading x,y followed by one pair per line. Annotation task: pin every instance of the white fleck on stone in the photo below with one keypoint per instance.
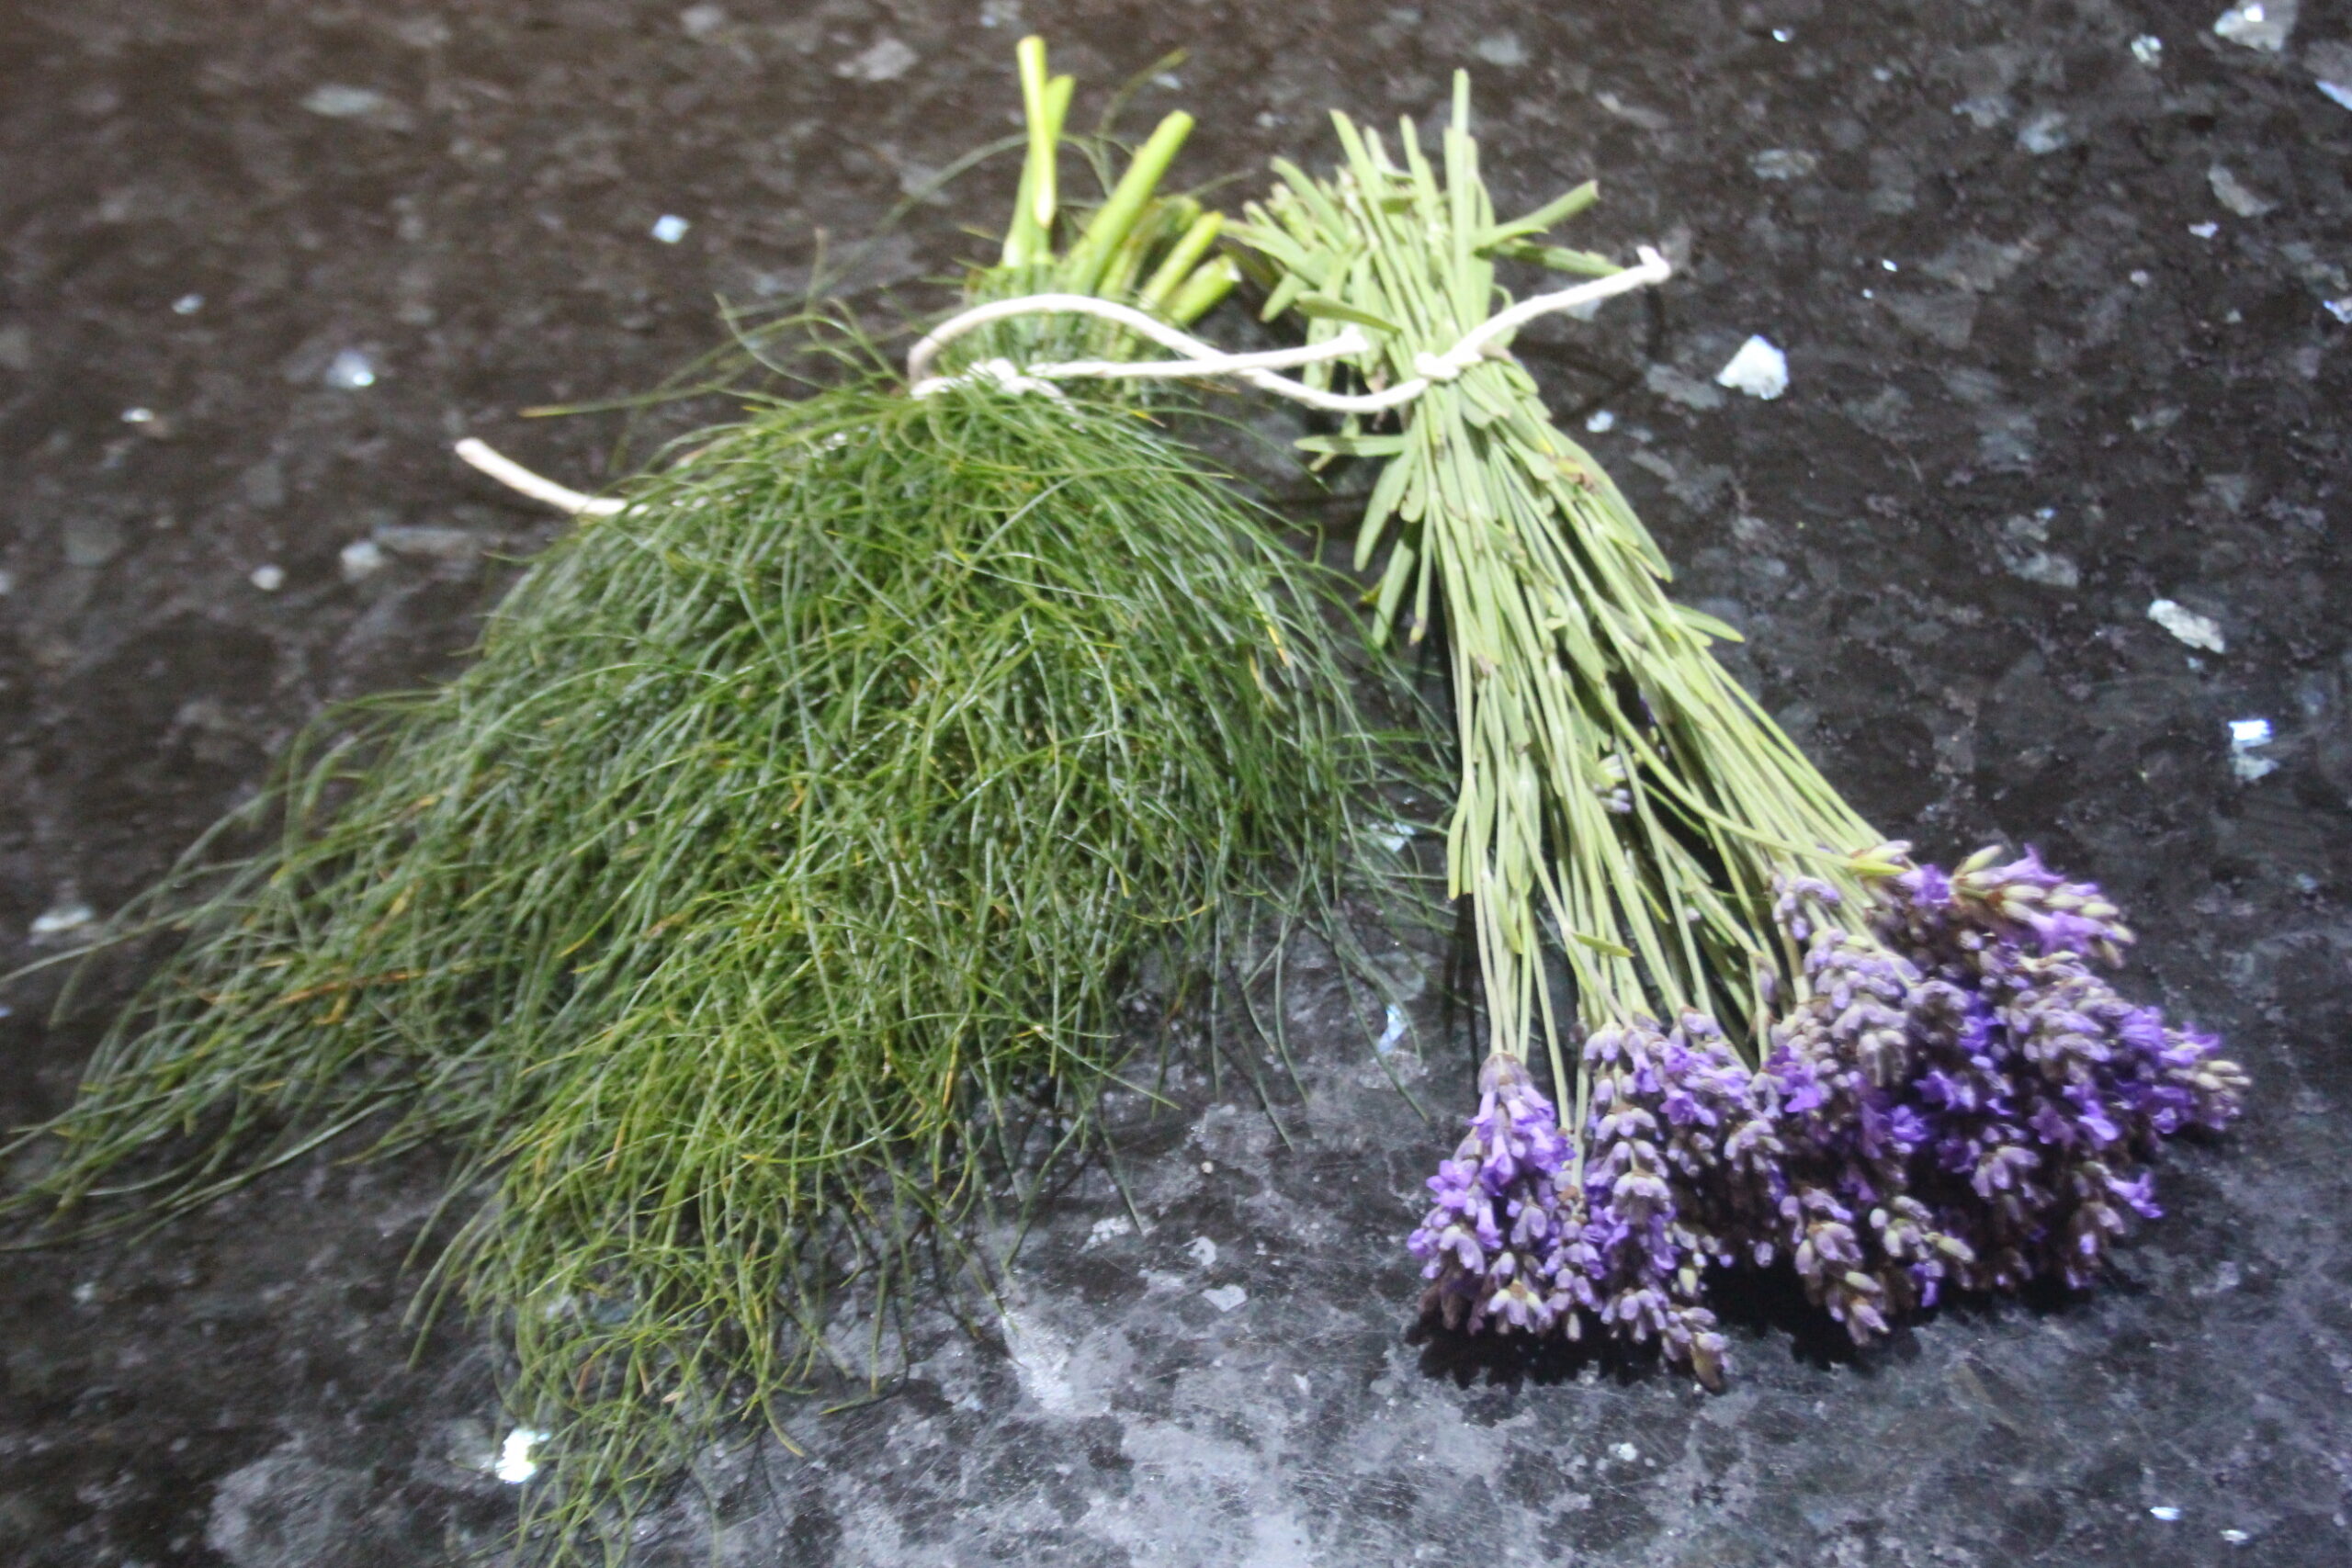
x,y
1208,1168
2186,625
1392,1032
2245,736
886,60
1602,421
350,370
1637,114
1108,1229
2204,230
2148,50
2340,308
2166,1512
1758,369
2047,567
361,559
2257,24
2044,133
269,577
1784,163
1305,1387
2236,1537
669,227
1624,1453
1225,1298
2330,64
1202,1251
2141,278
516,1464
62,918
188,304
1502,50
336,100
85,1292
1986,112
2234,194
701,21
139,416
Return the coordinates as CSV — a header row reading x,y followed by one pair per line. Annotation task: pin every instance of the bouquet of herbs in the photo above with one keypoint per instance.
x,y
1773,1035
771,887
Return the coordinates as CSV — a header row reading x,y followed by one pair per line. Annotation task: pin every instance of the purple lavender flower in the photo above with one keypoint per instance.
x,y
1954,1095
1659,1106
1490,1241
2042,1090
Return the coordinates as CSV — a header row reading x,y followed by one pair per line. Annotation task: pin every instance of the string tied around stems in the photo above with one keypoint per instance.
x,y
1206,360
1198,360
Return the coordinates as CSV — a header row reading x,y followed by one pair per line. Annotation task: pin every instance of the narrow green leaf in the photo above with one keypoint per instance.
x,y
1351,446
1706,625
1325,308
1551,215
1595,943
1386,492
1584,264
1286,294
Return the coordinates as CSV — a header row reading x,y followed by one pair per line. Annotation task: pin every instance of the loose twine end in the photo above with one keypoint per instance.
x,y
515,477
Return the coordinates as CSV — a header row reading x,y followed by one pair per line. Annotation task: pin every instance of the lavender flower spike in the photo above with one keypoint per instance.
x,y
1489,1243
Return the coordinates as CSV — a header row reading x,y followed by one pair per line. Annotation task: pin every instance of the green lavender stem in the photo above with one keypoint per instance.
x,y
1624,805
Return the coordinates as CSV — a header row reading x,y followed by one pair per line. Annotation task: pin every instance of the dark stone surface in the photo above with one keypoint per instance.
x,y
1942,542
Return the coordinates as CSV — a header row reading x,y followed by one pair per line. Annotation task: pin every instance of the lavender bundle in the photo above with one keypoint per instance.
x,y
1789,1045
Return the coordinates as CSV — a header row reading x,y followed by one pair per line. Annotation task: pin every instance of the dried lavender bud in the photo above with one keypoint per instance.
x,y
1489,1245
1660,1104
2042,1088
1957,1097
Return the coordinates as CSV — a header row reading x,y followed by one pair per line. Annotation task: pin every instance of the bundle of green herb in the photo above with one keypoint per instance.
x,y
768,891
1917,1078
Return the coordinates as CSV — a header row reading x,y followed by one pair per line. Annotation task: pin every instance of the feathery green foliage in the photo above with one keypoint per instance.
x,y
767,892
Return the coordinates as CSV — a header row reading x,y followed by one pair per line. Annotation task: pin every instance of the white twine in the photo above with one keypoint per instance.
x,y
1199,359
515,477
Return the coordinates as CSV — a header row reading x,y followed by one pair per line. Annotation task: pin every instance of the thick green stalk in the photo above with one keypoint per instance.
x,y
1115,219
1183,257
